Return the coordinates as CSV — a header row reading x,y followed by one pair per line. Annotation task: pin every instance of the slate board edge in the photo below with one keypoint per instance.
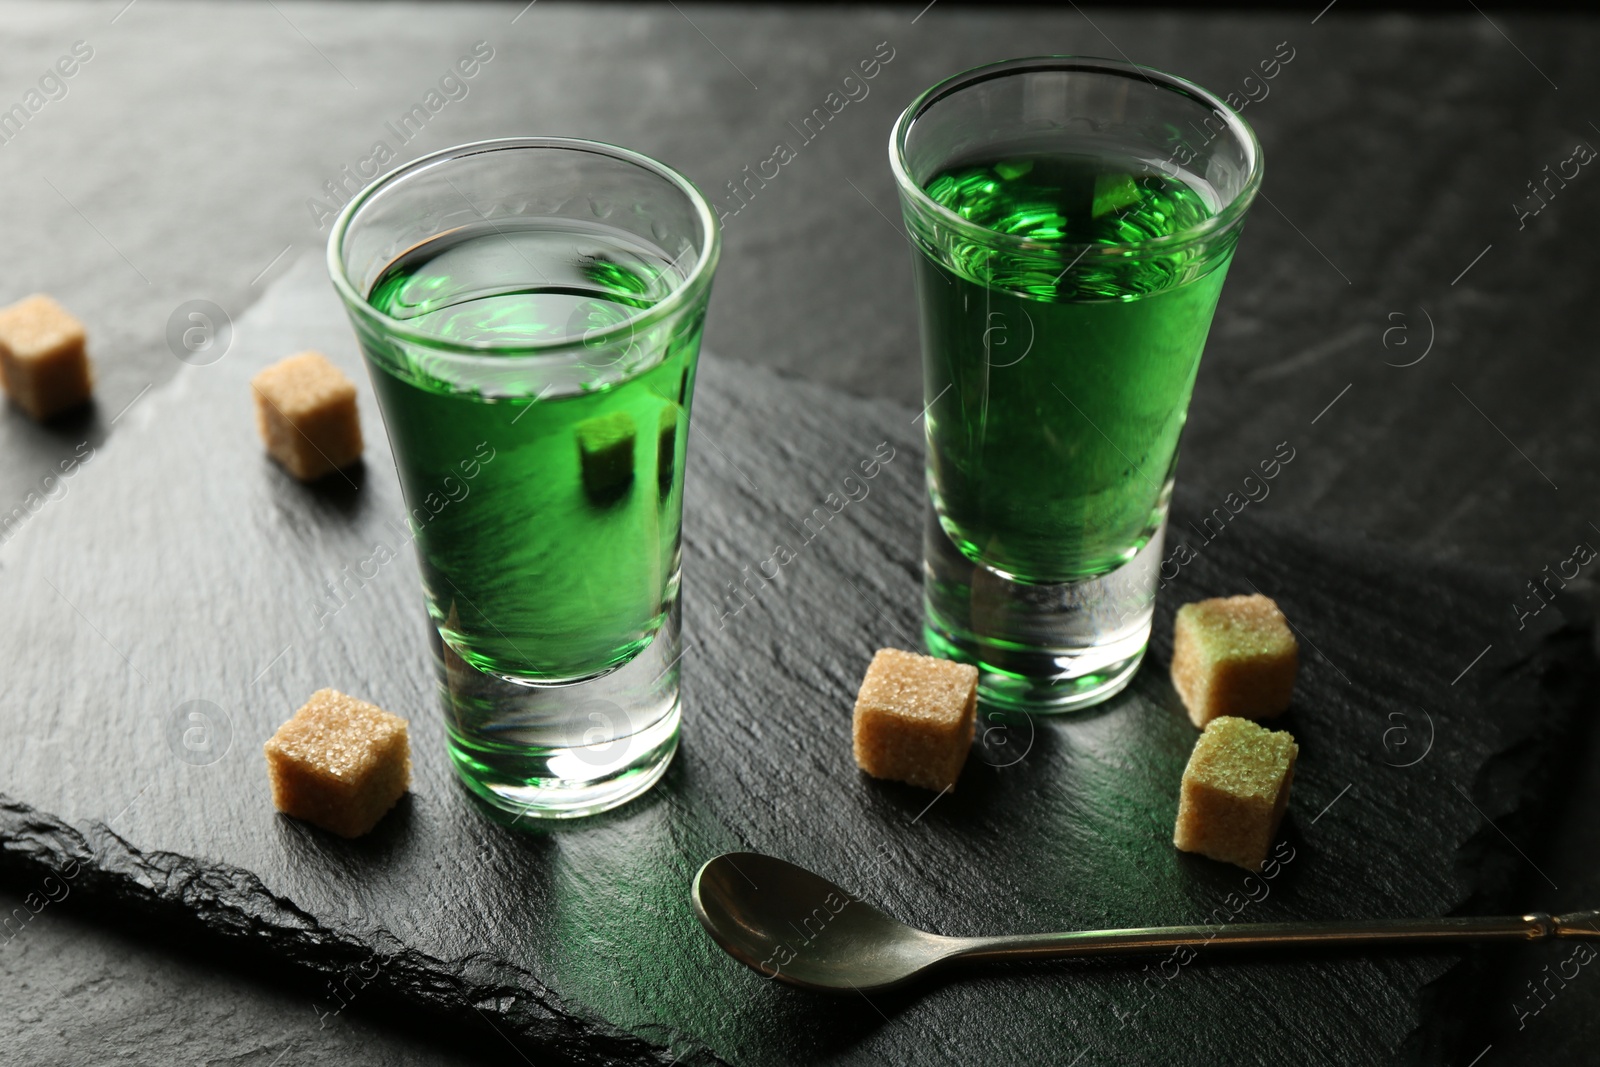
x,y
231,909
1573,642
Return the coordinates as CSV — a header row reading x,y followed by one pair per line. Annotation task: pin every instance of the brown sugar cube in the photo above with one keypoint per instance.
x,y
44,364
1233,656
1235,790
306,411
339,763
914,718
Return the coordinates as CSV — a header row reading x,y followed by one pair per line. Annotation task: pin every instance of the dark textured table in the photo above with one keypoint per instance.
x,y
180,162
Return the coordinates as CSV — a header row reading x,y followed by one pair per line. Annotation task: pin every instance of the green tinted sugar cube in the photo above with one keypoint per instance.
x,y
605,451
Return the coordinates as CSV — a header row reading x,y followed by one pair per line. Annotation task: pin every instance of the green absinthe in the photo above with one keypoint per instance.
x,y
1059,374
545,490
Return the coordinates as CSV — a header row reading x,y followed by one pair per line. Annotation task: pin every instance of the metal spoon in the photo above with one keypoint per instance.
x,y
800,928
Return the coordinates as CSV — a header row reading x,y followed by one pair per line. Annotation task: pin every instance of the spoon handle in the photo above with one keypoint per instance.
x,y
1537,926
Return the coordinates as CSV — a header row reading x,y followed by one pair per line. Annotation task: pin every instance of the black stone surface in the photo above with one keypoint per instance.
x,y
209,594
113,989
179,165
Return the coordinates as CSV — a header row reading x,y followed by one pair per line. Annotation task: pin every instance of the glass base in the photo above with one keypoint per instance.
x,y
537,751
1039,647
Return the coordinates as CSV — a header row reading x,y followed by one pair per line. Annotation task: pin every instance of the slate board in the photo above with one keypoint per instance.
x,y
180,565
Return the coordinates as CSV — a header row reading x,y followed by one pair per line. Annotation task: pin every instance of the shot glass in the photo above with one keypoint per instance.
x,y
1073,221
530,311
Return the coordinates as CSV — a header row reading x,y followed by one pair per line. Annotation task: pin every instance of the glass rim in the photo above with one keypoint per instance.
x,y
681,295
1227,216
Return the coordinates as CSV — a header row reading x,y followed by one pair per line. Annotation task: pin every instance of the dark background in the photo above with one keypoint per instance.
x,y
180,163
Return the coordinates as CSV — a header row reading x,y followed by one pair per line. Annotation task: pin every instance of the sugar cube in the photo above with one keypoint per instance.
x,y
44,364
1233,656
339,763
915,717
605,453
306,411
666,450
1235,790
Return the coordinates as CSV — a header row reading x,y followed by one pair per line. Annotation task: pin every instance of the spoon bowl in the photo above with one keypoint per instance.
x,y
796,926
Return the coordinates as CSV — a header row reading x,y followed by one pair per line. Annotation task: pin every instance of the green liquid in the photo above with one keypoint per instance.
x,y
547,529
1058,395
